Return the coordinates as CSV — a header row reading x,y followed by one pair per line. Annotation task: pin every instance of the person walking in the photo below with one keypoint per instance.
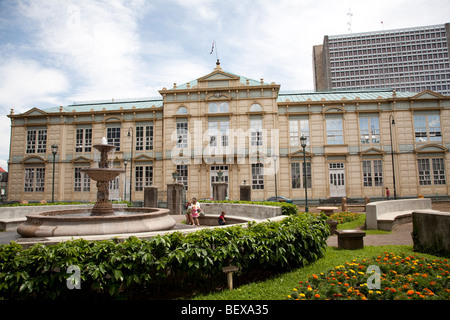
x,y
388,193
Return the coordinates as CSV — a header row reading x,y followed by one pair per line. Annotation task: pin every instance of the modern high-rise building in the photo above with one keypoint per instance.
x,y
411,59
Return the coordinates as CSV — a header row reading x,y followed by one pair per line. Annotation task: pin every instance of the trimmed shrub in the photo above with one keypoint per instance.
x,y
113,269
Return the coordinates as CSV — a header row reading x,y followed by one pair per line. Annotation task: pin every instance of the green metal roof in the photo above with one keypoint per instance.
x,y
336,95
110,105
144,103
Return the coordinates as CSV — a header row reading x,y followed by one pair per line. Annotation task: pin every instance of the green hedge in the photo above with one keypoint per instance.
x,y
286,208
113,269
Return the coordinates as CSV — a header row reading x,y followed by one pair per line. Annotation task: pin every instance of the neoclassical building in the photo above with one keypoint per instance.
x,y
357,143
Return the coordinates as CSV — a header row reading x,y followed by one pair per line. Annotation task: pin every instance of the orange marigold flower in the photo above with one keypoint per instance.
x,y
410,292
317,295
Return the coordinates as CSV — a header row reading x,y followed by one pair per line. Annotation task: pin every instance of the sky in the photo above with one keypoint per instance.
x,y
56,52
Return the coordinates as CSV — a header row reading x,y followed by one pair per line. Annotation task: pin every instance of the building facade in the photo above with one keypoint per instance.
x,y
412,59
248,130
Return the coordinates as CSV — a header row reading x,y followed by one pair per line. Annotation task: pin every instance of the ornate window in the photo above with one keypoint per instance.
x,y
257,176
182,110
427,128
255,107
144,137
369,128
218,107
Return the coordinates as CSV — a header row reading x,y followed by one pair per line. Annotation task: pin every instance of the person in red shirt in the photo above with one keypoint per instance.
x,y
388,193
221,219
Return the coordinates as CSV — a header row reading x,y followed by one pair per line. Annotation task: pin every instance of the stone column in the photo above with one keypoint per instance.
x,y
151,197
219,191
175,198
245,192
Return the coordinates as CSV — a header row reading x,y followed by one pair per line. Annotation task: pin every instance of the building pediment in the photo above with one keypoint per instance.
x,y
35,112
81,159
218,75
143,158
431,148
372,152
299,154
33,160
427,94
217,96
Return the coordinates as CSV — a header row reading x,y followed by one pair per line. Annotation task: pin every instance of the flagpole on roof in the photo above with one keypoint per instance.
x,y
214,46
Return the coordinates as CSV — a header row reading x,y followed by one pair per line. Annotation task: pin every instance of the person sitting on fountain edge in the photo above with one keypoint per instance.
x,y
221,219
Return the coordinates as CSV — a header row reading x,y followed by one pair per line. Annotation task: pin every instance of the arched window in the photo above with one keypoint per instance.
x,y
255,107
221,107
182,110
212,108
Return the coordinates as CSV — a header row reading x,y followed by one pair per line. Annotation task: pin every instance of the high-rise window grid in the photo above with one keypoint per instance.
x,y
412,59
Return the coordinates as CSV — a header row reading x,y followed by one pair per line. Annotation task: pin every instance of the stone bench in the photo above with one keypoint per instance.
x,y
327,210
384,215
11,224
240,210
350,239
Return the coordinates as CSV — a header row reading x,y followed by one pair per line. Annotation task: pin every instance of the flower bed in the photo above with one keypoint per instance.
x,y
345,216
401,278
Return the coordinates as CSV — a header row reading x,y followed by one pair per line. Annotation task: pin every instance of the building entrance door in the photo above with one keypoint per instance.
x,y
215,178
337,179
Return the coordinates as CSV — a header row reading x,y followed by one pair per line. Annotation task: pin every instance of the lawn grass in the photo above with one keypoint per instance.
x,y
278,287
359,223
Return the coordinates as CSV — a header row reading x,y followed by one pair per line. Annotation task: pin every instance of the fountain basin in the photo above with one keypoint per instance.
x,y
70,223
102,174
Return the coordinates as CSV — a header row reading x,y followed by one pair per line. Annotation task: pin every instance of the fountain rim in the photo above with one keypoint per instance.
x,y
58,215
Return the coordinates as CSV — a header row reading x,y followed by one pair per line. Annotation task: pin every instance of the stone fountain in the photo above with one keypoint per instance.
x,y
103,219
103,175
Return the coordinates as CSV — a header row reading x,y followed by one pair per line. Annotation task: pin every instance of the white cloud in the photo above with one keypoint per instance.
x,y
98,42
24,83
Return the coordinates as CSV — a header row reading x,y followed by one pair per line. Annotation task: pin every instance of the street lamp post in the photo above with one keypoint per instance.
x,y
54,151
125,162
392,122
275,170
303,142
130,134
